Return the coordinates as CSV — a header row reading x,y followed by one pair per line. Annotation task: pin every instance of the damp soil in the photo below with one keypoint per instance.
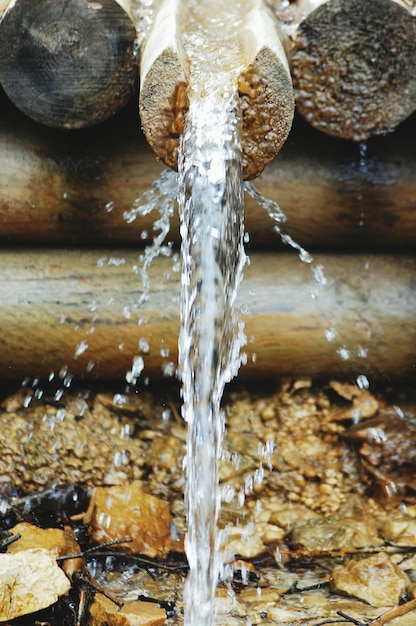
x,y
319,489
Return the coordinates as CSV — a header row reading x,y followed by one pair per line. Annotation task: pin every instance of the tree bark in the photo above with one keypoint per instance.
x,y
55,187
68,64
265,87
353,63
79,310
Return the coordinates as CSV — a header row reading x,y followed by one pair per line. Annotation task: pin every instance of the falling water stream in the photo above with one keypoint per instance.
x,y
211,207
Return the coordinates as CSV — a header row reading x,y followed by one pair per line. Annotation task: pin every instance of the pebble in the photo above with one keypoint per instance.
x,y
127,512
375,579
30,580
134,613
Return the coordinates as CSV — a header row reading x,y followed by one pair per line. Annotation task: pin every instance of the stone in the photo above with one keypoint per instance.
x,y
334,534
56,541
375,579
30,580
103,612
127,512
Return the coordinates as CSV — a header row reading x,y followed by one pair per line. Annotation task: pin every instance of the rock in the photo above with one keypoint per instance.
x,y
334,534
134,613
30,580
56,541
376,579
244,544
127,512
399,530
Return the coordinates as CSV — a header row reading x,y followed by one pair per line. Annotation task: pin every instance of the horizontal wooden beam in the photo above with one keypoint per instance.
x,y
79,310
73,188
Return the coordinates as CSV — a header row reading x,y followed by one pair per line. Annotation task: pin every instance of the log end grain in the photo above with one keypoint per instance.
x,y
68,64
267,106
353,65
163,103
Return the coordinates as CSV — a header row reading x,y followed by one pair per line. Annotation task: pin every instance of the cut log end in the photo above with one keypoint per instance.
x,y
163,104
68,64
267,106
354,67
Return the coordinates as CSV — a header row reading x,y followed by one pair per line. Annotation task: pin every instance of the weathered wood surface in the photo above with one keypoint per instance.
x,y
54,187
353,63
265,86
68,64
79,309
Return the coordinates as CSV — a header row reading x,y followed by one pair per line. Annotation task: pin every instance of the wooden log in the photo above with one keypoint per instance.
x,y
353,64
79,310
54,188
264,84
68,64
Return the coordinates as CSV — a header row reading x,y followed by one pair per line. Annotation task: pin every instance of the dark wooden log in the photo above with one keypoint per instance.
x,y
353,64
68,63
264,85
55,186
79,310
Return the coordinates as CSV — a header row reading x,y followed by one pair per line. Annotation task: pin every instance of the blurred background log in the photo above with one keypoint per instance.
x,y
79,310
353,63
55,187
68,64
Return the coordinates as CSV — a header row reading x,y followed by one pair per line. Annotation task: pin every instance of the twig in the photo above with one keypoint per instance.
x,y
9,540
396,611
295,589
92,551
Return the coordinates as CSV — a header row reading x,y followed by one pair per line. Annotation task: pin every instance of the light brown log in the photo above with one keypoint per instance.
x,y
353,63
265,87
53,305
54,188
68,63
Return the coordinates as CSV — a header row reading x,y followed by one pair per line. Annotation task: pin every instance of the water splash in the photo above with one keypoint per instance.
x,y
161,197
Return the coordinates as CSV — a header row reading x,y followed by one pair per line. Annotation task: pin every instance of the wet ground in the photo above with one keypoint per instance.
x,y
319,488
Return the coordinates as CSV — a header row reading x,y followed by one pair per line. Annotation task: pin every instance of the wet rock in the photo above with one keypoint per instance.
x,y
287,517
127,512
244,543
376,579
30,581
56,541
334,534
399,530
362,403
134,613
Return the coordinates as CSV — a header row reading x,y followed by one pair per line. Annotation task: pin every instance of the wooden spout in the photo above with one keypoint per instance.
x,y
265,88
353,63
68,63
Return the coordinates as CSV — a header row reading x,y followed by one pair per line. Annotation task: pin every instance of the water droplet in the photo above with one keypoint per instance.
x,y
136,370
63,372
363,382
344,354
330,334
169,369
143,345
80,348
166,414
